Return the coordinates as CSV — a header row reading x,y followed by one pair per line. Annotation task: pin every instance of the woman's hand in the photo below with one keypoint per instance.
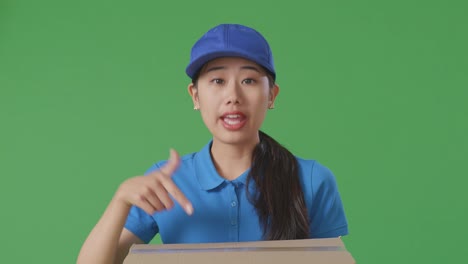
x,y
152,192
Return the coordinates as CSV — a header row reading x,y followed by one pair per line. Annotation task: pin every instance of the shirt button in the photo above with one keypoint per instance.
x,y
233,222
233,203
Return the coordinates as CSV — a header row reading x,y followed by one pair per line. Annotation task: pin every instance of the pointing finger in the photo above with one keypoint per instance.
x,y
175,192
172,164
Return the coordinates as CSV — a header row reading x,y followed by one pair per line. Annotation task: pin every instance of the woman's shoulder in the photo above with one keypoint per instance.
x,y
315,173
185,162
314,166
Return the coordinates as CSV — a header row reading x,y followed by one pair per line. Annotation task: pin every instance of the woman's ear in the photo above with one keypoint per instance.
x,y
193,91
274,91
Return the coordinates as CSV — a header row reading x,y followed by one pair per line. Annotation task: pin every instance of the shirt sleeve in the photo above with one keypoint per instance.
x,y
140,223
328,217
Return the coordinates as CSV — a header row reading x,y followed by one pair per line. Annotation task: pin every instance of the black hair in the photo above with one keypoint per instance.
x,y
279,199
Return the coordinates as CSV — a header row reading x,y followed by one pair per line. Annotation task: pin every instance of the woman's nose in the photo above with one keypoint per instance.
x,y
233,93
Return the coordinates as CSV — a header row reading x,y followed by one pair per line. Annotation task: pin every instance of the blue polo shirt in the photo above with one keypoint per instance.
x,y
222,212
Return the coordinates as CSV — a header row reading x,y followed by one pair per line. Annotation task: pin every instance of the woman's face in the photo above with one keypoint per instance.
x,y
233,95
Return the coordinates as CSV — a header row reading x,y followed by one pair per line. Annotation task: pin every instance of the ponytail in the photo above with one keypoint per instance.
x,y
279,199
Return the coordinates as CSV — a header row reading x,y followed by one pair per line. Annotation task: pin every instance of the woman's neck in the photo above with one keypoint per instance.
x,y
231,160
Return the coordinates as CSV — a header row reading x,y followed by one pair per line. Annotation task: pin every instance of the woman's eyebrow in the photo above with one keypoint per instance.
x,y
215,68
250,68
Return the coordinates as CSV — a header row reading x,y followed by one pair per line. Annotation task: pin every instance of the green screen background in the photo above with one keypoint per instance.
x,y
94,92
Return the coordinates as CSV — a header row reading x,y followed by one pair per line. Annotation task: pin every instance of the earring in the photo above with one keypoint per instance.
x,y
271,104
196,108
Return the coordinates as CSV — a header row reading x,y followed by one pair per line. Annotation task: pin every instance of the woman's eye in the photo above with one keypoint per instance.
x,y
248,81
218,81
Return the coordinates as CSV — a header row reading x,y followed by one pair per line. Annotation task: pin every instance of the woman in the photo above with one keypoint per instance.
x,y
243,185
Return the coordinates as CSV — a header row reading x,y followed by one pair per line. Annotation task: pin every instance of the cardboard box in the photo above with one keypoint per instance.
x,y
317,251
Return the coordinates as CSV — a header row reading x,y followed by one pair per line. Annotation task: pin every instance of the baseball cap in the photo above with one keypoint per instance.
x,y
230,40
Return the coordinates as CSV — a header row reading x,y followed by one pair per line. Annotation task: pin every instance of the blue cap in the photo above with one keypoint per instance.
x,y
230,40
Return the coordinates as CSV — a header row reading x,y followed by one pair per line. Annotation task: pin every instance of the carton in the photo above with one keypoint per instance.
x,y
317,251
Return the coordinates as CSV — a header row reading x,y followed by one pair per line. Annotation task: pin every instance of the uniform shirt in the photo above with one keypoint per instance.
x,y
222,212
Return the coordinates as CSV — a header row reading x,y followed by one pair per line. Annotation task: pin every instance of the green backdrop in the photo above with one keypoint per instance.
x,y
94,92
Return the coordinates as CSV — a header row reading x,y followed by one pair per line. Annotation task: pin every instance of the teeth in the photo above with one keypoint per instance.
x,y
232,119
231,122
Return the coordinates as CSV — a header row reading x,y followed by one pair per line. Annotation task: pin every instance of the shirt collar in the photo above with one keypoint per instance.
x,y
206,172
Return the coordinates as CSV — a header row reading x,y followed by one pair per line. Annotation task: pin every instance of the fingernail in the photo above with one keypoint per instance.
x,y
189,209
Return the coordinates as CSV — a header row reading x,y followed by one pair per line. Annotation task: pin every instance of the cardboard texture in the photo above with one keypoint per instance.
x,y
317,251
